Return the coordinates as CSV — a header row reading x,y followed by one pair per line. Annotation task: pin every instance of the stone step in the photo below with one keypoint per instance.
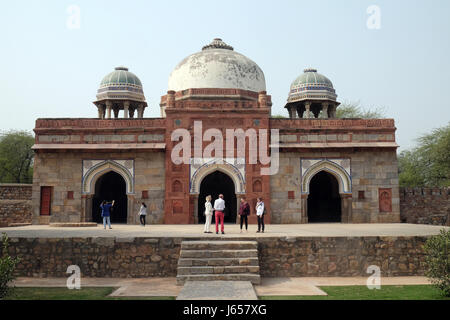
x,y
253,278
218,270
197,262
218,245
247,253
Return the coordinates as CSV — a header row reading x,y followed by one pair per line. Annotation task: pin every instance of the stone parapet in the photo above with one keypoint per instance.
x,y
15,204
425,205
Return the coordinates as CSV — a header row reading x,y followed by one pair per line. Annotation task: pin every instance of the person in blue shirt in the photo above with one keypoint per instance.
x,y
106,213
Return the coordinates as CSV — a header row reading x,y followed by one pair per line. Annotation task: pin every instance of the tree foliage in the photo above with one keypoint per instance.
x,y
354,110
437,261
7,267
16,157
428,164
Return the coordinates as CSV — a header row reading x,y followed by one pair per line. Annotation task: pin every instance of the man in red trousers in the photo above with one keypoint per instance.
x,y
219,207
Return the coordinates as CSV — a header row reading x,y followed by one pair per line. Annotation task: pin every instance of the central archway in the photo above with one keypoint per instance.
x,y
324,201
214,184
110,186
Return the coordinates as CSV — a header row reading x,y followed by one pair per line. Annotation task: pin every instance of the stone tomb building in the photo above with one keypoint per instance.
x,y
330,170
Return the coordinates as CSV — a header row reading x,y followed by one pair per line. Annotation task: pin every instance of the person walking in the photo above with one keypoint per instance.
x,y
219,207
244,211
260,214
142,213
208,214
106,213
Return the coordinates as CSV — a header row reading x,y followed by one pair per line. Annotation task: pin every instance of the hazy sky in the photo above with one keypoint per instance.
x,y
49,70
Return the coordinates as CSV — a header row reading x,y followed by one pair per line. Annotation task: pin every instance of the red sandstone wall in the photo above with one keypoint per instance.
x,y
425,205
15,204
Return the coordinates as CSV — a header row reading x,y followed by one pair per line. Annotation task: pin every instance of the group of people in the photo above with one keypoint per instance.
x,y
106,213
218,209
244,212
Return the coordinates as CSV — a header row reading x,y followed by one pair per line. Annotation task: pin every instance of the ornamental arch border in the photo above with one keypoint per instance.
x,y
95,172
222,166
343,178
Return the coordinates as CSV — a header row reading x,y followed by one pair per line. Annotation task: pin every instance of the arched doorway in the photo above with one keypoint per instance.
x,y
214,184
324,201
110,186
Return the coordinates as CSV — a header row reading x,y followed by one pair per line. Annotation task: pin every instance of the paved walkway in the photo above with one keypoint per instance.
x,y
231,231
147,287
217,290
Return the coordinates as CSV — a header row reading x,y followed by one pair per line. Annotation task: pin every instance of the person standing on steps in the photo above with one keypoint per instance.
x,y
142,213
106,213
244,211
260,210
208,214
219,207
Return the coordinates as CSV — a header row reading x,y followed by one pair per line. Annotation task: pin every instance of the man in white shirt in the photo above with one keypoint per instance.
x,y
219,207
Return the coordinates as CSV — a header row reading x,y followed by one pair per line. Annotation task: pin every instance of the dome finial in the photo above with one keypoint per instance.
x,y
217,43
121,68
310,70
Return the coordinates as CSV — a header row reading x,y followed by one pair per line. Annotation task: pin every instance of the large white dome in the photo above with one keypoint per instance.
x,y
217,66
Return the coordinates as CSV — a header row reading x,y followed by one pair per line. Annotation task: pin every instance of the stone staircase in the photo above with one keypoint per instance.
x,y
218,260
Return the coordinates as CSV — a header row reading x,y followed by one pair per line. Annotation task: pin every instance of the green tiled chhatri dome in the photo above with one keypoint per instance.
x,y
121,75
311,85
310,76
121,84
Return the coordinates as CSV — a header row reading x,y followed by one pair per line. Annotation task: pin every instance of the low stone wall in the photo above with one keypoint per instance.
x,y
15,204
96,257
425,205
341,256
279,257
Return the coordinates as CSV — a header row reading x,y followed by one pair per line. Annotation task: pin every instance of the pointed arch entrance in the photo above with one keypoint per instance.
x,y
108,180
326,190
215,183
324,201
110,186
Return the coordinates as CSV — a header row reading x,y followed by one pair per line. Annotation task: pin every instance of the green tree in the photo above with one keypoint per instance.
x,y
16,157
437,261
428,164
354,110
7,267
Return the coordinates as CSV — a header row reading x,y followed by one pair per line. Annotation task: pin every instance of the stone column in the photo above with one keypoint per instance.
x,y
292,112
140,110
116,112
108,109
325,110
170,102
101,111
307,113
304,207
262,99
346,208
332,111
126,106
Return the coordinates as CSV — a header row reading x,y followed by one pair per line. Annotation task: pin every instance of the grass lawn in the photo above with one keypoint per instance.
x,y
87,293
408,292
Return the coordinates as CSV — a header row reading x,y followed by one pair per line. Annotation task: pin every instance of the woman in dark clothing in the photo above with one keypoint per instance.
x,y
244,211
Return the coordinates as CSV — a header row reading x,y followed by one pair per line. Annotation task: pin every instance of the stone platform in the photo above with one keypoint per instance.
x,y
231,231
310,250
